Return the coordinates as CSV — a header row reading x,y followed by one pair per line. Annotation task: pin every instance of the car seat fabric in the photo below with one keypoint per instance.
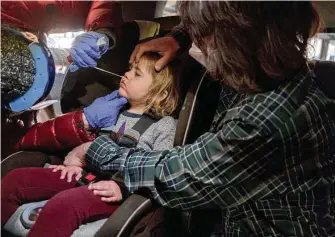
x,y
325,74
15,226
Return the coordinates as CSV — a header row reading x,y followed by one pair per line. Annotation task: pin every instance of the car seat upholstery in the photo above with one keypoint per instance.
x,y
325,75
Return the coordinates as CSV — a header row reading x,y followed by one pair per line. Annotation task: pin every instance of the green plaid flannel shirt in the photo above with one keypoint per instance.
x,y
267,163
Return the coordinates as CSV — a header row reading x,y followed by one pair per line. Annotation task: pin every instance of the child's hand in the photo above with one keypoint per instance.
x,y
55,168
70,171
108,190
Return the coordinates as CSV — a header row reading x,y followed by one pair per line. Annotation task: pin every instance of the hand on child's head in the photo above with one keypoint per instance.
x,y
109,190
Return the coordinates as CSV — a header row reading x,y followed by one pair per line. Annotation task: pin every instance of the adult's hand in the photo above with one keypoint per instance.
x,y
104,111
87,48
165,46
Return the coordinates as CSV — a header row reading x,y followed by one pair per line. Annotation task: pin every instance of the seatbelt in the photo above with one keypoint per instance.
x,y
131,136
144,123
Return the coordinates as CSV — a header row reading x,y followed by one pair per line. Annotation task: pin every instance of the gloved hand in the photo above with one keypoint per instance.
x,y
104,111
86,48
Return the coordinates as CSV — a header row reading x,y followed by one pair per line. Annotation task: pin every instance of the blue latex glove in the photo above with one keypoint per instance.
x,y
104,111
86,48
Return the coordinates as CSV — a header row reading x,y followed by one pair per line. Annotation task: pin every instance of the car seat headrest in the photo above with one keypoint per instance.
x,y
325,75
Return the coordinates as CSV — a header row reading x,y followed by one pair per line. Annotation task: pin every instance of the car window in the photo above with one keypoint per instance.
x,y
165,8
322,47
62,40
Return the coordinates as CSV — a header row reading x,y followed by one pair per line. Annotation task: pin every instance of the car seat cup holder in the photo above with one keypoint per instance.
x,y
43,81
28,216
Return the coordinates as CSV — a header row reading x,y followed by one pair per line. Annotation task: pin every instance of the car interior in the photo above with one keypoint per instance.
x,y
197,89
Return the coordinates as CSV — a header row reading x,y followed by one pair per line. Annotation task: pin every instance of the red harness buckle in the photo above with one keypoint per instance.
x,y
87,179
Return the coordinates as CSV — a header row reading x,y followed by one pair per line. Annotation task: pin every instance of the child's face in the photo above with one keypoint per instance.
x,y
136,83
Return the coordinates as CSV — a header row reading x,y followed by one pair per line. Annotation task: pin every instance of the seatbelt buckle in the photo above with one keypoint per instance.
x,y
87,179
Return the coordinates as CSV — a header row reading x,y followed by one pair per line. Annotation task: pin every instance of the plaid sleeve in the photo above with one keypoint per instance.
x,y
204,173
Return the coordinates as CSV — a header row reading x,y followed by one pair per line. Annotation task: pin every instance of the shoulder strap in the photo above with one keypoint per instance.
x,y
144,123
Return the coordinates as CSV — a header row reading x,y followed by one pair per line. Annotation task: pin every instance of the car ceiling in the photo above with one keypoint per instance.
x,y
327,11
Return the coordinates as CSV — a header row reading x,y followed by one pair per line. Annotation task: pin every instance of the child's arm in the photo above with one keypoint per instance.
x,y
64,132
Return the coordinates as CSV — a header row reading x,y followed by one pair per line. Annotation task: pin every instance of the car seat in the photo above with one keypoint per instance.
x,y
192,72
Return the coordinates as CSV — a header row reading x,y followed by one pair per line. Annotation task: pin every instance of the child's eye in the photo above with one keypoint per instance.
x,y
136,74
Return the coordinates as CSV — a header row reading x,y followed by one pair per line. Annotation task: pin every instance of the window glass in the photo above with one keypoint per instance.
x,y
322,47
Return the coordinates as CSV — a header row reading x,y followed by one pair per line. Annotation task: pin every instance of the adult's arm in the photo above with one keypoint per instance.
x,y
104,14
105,17
62,16
179,33
218,169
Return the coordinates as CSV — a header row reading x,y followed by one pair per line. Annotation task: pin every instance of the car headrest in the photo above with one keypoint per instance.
x,y
325,75
201,95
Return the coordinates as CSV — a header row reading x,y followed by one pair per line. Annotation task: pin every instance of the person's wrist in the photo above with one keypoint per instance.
x,y
88,118
86,124
111,36
87,146
182,39
103,42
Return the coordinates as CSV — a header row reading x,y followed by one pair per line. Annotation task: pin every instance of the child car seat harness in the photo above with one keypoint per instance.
x,y
127,139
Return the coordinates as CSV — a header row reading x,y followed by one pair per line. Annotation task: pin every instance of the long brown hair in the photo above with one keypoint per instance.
x,y
251,44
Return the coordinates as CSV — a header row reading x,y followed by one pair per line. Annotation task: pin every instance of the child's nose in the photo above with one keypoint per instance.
x,y
127,75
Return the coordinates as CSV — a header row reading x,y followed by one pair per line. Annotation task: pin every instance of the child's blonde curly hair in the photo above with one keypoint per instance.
x,y
162,98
